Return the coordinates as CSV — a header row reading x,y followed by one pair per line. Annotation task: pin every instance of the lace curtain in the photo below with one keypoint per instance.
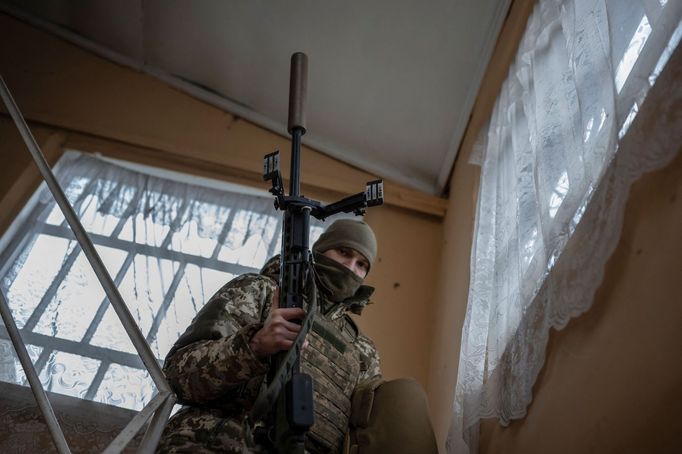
x,y
557,161
168,245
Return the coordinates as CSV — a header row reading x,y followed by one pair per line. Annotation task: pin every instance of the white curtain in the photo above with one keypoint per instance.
x,y
555,176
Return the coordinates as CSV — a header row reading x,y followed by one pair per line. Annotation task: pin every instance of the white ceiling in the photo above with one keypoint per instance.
x,y
391,83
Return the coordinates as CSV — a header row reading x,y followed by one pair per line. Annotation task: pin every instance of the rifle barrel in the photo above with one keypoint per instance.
x,y
295,179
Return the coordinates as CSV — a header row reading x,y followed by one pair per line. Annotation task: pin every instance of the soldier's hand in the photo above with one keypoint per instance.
x,y
278,332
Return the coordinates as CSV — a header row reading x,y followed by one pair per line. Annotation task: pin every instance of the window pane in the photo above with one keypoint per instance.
x,y
125,387
79,295
164,278
10,367
143,289
68,374
94,221
199,235
143,230
55,217
195,289
248,241
43,260
188,241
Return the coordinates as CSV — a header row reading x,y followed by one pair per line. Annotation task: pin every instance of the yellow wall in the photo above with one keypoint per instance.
x,y
451,296
612,379
19,177
78,100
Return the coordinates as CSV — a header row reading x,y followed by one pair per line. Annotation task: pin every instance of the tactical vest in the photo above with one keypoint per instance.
x,y
334,363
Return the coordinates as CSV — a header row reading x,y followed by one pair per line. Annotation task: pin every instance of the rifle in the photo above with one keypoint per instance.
x,y
288,399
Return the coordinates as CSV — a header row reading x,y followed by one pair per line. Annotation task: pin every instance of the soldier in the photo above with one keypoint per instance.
x,y
219,364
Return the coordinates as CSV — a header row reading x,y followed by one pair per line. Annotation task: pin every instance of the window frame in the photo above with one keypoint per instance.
x,y
14,242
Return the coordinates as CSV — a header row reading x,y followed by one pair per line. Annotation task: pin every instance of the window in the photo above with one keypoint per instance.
x,y
168,245
557,162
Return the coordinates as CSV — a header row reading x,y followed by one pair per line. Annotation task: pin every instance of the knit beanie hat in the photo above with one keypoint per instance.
x,y
351,233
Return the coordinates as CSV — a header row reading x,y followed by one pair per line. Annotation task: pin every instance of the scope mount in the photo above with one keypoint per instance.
x,y
358,203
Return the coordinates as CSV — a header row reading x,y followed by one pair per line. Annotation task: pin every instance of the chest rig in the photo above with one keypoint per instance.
x,y
335,364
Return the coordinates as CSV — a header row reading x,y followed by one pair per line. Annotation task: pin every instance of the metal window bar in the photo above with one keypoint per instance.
x,y
160,315
223,233
40,213
49,294
175,223
81,197
154,251
101,310
50,344
99,315
33,379
42,360
52,290
37,313
104,305
78,348
128,432
167,300
97,380
129,213
160,415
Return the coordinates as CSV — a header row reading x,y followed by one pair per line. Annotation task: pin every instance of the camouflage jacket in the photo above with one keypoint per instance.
x,y
211,366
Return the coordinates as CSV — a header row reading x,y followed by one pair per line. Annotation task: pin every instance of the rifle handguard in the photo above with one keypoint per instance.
x,y
266,400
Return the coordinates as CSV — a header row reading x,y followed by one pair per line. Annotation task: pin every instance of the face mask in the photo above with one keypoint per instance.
x,y
338,282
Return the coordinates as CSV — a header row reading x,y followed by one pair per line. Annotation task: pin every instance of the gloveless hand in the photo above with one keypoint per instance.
x,y
278,332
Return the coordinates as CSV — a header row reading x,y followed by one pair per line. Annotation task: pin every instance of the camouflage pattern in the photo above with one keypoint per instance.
x,y
203,430
214,372
334,368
